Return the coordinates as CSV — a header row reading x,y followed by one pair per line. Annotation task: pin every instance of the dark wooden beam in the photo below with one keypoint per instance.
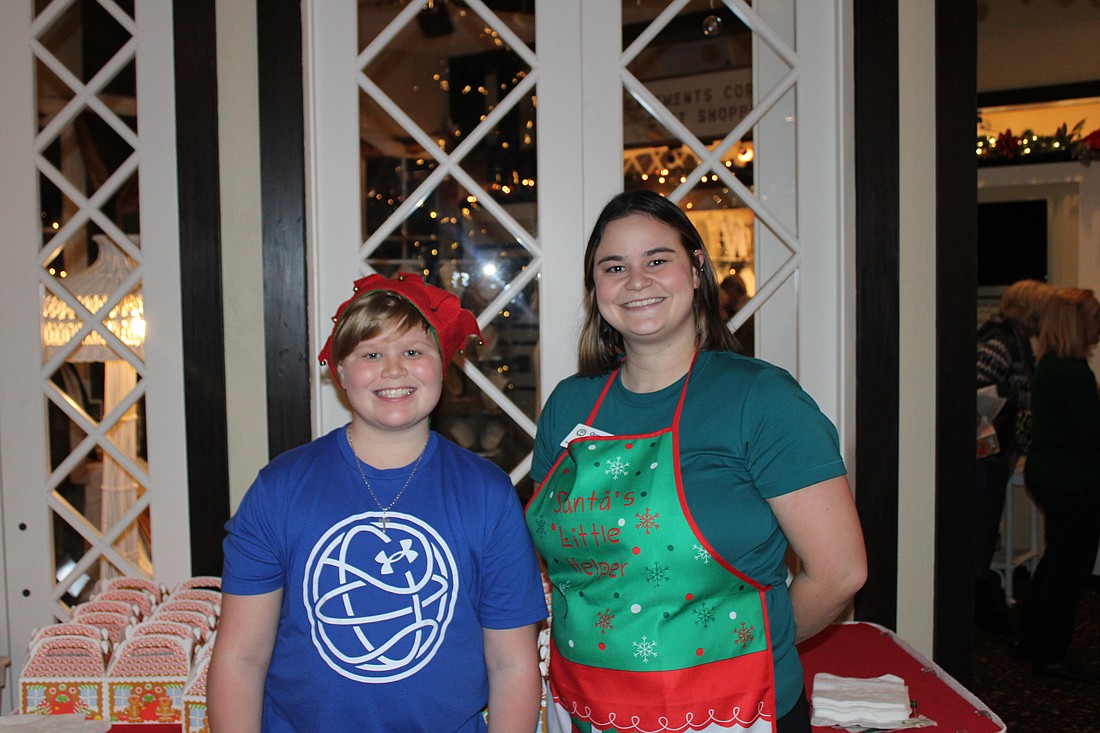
x,y
283,213
877,237
956,304
201,280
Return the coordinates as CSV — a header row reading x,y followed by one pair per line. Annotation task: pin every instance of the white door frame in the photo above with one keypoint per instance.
x,y
30,591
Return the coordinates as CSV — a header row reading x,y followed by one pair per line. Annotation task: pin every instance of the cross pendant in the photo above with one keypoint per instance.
x,y
384,521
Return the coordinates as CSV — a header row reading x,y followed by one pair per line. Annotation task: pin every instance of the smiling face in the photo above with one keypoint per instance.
x,y
645,282
393,382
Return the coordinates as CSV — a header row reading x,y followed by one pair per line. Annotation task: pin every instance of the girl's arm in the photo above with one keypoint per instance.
x,y
242,652
822,526
515,683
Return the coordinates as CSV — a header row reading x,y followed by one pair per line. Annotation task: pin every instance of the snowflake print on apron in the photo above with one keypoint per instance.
x,y
652,630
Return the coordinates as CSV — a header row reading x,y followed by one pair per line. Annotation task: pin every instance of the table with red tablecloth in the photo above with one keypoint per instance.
x,y
861,649
856,649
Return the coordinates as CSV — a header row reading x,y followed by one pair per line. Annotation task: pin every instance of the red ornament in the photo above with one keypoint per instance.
x,y
1007,144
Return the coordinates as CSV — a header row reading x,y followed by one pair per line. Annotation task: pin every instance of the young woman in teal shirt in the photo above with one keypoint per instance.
x,y
672,474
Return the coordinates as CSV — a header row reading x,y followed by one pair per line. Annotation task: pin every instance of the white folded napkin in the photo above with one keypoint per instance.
x,y
876,702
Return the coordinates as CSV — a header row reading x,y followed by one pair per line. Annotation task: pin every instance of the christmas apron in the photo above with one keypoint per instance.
x,y
651,631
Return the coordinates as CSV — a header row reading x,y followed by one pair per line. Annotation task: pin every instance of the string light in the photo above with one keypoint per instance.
x,y
1029,147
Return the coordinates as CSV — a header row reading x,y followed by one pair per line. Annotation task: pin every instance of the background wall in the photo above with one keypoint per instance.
x,y
1034,43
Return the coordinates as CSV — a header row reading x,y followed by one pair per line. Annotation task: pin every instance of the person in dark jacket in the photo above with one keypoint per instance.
x,y
1063,476
1005,360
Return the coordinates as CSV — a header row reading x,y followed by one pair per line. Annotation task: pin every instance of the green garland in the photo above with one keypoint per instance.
x,y
1007,148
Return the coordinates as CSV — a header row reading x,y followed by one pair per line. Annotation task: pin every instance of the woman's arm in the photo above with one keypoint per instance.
x,y
822,526
515,683
242,652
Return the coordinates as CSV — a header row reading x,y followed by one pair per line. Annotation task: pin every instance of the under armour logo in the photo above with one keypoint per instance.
x,y
387,561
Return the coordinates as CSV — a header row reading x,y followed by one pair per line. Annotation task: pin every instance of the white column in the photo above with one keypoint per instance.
x,y
917,337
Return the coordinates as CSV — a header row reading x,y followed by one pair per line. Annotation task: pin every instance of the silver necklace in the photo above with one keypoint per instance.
x,y
385,509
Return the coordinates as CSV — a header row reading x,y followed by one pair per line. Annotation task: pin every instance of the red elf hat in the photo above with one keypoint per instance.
x,y
450,322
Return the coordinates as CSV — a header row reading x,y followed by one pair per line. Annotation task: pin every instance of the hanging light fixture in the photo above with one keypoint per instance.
x,y
435,20
93,287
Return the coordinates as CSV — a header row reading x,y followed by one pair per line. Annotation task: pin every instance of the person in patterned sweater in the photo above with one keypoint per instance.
x,y
1005,359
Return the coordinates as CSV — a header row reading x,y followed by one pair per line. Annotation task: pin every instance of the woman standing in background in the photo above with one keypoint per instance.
x,y
1063,476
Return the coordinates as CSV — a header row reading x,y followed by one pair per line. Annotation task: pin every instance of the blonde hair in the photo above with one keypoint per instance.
x,y
370,315
1064,331
1024,302
601,346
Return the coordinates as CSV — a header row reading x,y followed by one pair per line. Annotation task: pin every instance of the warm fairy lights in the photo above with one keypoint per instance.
x,y
1028,147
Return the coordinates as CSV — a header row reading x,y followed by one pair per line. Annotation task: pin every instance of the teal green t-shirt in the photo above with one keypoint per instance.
x,y
748,433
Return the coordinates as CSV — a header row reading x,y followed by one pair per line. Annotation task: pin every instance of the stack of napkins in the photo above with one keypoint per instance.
x,y
854,702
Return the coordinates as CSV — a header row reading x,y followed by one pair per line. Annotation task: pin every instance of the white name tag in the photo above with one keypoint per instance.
x,y
581,431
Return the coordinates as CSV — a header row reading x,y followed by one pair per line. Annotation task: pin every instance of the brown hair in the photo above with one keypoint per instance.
x,y
1064,331
1024,302
370,315
601,346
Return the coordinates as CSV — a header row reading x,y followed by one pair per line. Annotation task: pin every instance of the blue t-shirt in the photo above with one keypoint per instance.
x,y
748,433
382,630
